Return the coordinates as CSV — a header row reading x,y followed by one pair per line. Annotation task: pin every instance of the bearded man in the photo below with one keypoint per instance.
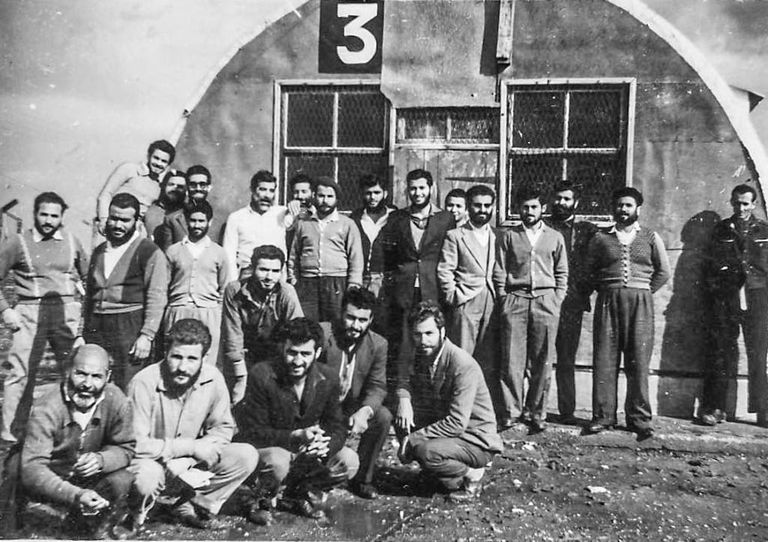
x,y
173,191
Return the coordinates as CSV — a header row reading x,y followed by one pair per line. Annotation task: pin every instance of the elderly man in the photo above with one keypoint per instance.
x,y
184,428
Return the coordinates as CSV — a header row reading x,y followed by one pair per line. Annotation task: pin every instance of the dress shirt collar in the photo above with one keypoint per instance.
x,y
82,418
634,228
365,217
38,237
205,242
333,217
482,229
536,227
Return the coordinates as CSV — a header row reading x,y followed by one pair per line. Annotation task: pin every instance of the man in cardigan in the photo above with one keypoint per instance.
x,y
48,265
126,291
627,265
359,356
530,276
174,227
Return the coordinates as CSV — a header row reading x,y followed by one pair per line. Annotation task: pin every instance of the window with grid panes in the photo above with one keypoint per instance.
x,y
337,131
448,126
575,132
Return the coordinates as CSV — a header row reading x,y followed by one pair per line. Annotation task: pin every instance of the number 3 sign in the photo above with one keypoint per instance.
x,y
350,36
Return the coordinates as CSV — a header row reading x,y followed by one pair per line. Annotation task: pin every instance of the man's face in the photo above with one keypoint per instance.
x,y
197,226
176,189
298,358
121,224
266,273
743,205
481,210
427,337
158,162
303,193
530,212
625,211
86,380
48,218
184,362
264,196
419,192
356,321
564,204
198,187
375,198
326,200
457,206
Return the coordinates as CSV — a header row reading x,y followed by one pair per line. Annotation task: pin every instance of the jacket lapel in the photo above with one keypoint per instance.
x,y
473,247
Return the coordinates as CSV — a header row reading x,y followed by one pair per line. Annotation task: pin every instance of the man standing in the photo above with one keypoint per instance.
x,y
457,203
737,276
48,265
530,276
260,223
173,191
445,399
292,415
174,226
326,256
565,201
627,265
359,356
126,291
198,269
253,308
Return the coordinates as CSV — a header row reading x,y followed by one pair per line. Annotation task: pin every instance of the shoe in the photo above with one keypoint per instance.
x,y
195,517
471,488
566,419
364,490
303,507
596,427
514,426
537,425
709,419
258,516
644,433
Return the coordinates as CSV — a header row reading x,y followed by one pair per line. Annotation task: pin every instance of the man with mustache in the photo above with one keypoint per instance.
x,y
301,187
79,443
184,428
530,277
198,269
126,291
326,256
173,191
174,226
627,265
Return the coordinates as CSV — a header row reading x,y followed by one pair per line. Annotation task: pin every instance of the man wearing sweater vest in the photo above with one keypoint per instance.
x,y
627,265
48,265
126,291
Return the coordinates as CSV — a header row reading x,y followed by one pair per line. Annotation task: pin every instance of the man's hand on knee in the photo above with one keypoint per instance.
x,y
89,502
89,464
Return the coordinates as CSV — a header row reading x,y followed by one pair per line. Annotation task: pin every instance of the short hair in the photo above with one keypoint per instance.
x,y
480,190
562,186
85,350
262,176
418,174
188,331
302,178
198,207
199,170
741,189
162,145
328,183
267,252
50,197
299,331
124,200
627,192
425,310
369,180
530,192
173,173
361,298
457,193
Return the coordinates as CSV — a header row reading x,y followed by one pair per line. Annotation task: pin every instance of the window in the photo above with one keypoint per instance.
x,y
448,126
338,131
568,131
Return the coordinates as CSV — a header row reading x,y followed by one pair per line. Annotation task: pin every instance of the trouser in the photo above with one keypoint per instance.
x,y
210,316
449,459
321,297
567,344
236,462
116,333
623,325
528,332
400,351
52,321
371,443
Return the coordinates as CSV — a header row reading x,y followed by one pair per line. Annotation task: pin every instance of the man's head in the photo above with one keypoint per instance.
x,y
357,312
427,326
481,199
301,341
267,263
186,345
173,188
565,199
160,155
326,196
374,193
49,212
456,204
302,189
626,205
263,188
198,183
419,182
198,216
121,221
743,201
530,205
87,374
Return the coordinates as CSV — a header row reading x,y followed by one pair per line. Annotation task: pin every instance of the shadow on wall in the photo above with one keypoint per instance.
x,y
687,345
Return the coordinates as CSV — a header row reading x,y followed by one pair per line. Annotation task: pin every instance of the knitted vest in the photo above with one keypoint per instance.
x,y
623,266
124,289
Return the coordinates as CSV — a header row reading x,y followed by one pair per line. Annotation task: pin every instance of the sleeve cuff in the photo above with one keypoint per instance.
x,y
402,393
239,369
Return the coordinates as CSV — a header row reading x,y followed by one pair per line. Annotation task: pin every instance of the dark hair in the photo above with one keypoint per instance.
x,y
328,183
425,310
267,252
740,189
418,174
162,145
50,197
299,331
198,207
172,173
199,170
480,190
360,298
188,331
302,178
562,186
456,193
124,200
262,176
527,193
627,192
369,180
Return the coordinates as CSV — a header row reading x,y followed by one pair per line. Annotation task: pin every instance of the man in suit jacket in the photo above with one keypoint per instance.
x,y
359,356
530,276
445,399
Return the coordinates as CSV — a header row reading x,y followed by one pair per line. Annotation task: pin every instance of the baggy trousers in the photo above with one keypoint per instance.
x,y
623,326
371,443
449,459
321,297
116,334
567,344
